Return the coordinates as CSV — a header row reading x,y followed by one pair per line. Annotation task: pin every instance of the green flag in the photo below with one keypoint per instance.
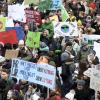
x,y
44,5
64,13
33,39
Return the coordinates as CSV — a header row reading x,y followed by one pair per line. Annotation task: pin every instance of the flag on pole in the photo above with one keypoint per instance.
x,y
2,23
64,13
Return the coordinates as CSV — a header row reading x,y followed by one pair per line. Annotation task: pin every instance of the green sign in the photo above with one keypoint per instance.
x,y
33,39
27,2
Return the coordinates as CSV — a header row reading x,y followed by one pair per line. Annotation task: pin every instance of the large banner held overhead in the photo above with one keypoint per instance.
x,y
19,32
55,4
42,74
65,29
17,12
33,39
2,23
8,37
33,16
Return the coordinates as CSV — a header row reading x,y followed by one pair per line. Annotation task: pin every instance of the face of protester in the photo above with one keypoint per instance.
x,y
85,47
30,88
79,87
43,60
69,48
91,55
4,75
45,33
26,28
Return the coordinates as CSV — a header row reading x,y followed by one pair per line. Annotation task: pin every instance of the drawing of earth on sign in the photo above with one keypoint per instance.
x,y
65,28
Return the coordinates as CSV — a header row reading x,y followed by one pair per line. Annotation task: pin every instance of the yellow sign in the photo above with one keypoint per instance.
x,y
2,23
54,18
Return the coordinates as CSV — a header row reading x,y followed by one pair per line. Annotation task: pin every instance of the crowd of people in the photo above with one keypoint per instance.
x,y
69,55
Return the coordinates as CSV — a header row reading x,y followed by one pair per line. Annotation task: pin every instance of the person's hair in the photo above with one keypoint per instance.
x,y
8,46
15,46
76,40
67,44
6,70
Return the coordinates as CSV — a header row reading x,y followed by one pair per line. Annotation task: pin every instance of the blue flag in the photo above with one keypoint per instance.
x,y
19,32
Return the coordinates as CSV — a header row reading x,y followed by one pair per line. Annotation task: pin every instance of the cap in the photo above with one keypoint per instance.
x,y
21,42
65,56
80,82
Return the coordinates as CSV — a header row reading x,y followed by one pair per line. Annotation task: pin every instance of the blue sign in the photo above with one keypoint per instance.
x,y
56,4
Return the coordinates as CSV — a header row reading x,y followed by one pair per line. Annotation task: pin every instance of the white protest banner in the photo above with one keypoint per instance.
x,y
56,4
97,49
42,74
90,38
65,29
95,79
17,12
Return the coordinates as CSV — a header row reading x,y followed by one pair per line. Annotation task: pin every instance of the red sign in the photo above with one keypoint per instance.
x,y
33,16
8,37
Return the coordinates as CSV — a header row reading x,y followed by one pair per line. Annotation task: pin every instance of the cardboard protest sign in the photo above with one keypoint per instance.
x,y
8,37
55,4
27,2
64,14
65,29
19,32
2,23
33,39
33,16
11,54
90,39
54,18
42,74
17,12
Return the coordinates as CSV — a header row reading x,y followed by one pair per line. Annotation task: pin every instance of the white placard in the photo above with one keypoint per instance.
x,y
97,49
42,74
17,12
65,29
95,80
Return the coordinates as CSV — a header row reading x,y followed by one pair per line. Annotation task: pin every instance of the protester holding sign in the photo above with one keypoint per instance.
x,y
47,47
